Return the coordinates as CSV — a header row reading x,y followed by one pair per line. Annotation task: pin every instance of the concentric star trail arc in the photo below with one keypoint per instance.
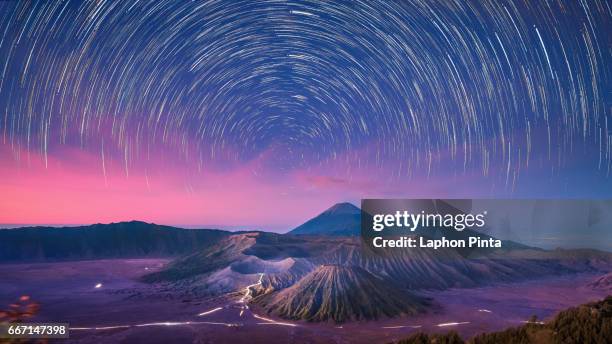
x,y
412,87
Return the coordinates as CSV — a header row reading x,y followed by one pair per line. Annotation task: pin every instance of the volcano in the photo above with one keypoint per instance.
x,y
342,219
324,273
341,293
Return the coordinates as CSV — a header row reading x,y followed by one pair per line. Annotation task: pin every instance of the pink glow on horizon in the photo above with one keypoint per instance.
x,y
75,187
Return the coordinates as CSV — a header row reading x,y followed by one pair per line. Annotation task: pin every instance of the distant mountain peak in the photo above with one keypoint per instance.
x,y
343,208
134,222
342,219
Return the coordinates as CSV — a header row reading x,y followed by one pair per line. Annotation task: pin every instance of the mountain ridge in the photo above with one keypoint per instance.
x,y
341,219
115,240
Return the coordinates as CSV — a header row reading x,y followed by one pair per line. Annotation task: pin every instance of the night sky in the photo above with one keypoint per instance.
x,y
263,113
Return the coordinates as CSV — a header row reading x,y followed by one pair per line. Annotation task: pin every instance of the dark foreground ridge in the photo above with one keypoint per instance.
x,y
589,323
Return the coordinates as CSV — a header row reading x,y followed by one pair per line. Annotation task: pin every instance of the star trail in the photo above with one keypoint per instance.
x,y
402,90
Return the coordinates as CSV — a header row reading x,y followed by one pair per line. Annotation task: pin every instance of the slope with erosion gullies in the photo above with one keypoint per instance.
x,y
603,282
224,253
341,293
282,279
295,285
248,253
231,264
286,259
431,269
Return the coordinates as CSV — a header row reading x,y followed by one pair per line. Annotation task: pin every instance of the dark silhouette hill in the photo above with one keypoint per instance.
x,y
342,219
115,240
590,323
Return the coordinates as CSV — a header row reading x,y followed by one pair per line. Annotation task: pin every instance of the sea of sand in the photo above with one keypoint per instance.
x,y
104,302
